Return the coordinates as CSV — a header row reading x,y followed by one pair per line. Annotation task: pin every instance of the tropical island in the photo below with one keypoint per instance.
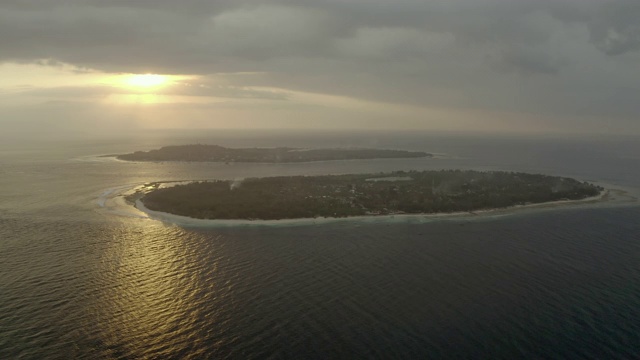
x,y
216,153
412,192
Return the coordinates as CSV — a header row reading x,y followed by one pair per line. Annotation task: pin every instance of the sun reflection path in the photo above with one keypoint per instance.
x,y
152,296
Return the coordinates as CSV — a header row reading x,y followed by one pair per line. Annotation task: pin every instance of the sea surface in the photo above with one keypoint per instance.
x,y
84,275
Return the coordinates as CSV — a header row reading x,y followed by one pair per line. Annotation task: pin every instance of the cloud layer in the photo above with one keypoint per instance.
x,y
560,59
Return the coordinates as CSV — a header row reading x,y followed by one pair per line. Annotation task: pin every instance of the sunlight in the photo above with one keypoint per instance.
x,y
146,80
138,99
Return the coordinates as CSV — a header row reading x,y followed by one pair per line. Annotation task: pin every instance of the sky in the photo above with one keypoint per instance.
x,y
497,66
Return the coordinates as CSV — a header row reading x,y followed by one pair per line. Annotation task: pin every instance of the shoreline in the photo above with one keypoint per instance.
x,y
181,220
115,158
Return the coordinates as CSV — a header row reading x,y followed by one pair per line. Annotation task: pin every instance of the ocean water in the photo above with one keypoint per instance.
x,y
83,275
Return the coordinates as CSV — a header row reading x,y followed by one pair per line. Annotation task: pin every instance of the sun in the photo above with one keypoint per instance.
x,y
146,80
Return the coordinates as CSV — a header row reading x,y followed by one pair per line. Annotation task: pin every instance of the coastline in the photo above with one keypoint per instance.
x,y
231,163
180,220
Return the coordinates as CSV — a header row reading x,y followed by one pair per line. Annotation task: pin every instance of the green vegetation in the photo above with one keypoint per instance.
x,y
400,192
269,155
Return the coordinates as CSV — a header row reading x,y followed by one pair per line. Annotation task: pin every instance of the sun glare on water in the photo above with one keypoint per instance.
x,y
146,80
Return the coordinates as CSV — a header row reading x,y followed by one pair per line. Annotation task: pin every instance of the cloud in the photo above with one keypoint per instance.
x,y
185,89
548,57
617,29
529,61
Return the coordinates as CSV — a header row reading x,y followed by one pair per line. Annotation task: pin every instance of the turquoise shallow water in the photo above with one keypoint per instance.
x,y
81,278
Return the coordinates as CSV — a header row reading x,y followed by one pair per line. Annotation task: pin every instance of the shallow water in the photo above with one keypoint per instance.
x,y
83,275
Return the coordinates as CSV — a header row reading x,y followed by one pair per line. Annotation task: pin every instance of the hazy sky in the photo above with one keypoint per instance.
x,y
490,65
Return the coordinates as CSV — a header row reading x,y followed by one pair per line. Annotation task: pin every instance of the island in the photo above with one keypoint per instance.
x,y
216,153
335,196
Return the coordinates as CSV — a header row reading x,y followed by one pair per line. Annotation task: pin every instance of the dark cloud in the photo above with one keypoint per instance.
x,y
207,36
617,30
529,62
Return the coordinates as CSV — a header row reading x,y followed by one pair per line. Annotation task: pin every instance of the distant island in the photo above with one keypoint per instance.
x,y
263,155
413,192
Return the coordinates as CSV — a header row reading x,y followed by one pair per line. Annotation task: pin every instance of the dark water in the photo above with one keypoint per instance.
x,y
81,280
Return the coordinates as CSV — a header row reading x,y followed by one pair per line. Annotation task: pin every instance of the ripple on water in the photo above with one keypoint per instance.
x,y
561,284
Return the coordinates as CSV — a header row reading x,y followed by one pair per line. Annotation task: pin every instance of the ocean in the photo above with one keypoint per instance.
x,y
84,275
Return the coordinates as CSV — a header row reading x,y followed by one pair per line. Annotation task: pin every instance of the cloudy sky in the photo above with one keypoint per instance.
x,y
474,65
